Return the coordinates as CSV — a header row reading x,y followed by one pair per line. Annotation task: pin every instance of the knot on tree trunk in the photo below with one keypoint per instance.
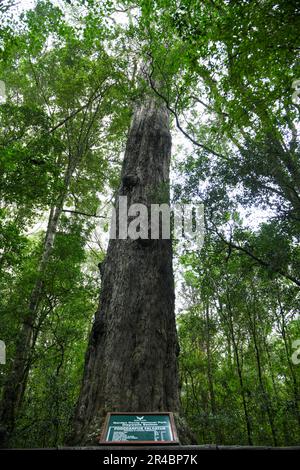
x,y
101,267
129,181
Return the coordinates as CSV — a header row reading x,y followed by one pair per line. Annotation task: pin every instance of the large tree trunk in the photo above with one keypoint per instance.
x,y
131,362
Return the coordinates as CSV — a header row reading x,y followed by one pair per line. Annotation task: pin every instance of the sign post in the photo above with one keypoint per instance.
x,y
139,428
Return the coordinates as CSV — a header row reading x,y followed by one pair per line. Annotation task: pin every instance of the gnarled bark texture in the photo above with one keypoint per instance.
x,y
131,362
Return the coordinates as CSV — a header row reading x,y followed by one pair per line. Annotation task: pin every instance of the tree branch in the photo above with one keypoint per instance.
x,y
175,114
84,214
260,261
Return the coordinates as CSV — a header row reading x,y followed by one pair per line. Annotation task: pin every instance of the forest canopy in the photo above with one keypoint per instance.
x,y
228,72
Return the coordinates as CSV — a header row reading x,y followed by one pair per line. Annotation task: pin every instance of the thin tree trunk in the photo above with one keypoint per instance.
x,y
16,379
283,331
131,360
239,371
265,395
217,431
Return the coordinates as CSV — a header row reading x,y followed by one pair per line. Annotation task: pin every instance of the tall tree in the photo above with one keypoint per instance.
x,y
131,362
74,102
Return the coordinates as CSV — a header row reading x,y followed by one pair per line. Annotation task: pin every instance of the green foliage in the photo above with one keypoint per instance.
x,y
225,71
236,344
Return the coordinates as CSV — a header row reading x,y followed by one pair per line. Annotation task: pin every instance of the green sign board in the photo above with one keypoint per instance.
x,y
139,428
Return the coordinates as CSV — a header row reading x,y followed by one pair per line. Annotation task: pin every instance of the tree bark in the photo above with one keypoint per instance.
x,y
131,362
